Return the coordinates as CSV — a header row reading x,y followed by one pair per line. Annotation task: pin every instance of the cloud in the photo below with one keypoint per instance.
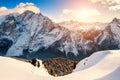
x,y
80,15
70,11
20,9
109,2
3,9
115,7
95,12
77,13
24,4
112,5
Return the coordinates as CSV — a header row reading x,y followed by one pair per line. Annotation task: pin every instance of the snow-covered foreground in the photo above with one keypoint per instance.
x,y
12,69
103,65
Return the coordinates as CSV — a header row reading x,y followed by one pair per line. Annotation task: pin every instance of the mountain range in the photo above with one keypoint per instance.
x,y
33,35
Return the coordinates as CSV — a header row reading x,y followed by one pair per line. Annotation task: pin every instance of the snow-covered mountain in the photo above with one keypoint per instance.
x,y
32,35
103,65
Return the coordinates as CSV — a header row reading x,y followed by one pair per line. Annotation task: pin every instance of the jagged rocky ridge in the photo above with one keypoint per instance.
x,y
31,35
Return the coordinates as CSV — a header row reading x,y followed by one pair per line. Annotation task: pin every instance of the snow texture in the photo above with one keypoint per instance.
x,y
103,65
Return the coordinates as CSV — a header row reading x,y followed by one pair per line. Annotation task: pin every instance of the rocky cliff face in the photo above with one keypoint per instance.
x,y
31,35
59,66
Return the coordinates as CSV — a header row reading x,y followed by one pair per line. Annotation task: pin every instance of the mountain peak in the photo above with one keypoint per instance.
x,y
115,20
28,11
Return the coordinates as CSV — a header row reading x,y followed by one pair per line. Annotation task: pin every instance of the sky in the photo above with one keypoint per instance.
x,y
65,10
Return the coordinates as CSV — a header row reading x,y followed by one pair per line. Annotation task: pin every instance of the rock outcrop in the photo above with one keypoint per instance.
x,y
35,62
59,66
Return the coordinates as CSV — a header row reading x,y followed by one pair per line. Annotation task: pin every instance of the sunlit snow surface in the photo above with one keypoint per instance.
x,y
103,65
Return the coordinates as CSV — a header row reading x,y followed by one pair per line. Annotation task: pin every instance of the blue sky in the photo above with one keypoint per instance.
x,y
80,10
44,5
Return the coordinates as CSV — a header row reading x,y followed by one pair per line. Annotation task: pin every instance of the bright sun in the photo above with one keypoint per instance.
x,y
84,13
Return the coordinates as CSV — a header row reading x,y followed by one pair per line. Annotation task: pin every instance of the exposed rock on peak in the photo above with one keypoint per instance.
x,y
116,20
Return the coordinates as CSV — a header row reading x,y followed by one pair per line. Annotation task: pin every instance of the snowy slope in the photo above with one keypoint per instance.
x,y
112,76
104,65
12,69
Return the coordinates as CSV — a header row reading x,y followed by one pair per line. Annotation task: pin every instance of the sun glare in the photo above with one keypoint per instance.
x,y
84,14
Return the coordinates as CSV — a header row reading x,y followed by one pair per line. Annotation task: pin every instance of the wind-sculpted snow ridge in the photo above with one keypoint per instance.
x,y
34,35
